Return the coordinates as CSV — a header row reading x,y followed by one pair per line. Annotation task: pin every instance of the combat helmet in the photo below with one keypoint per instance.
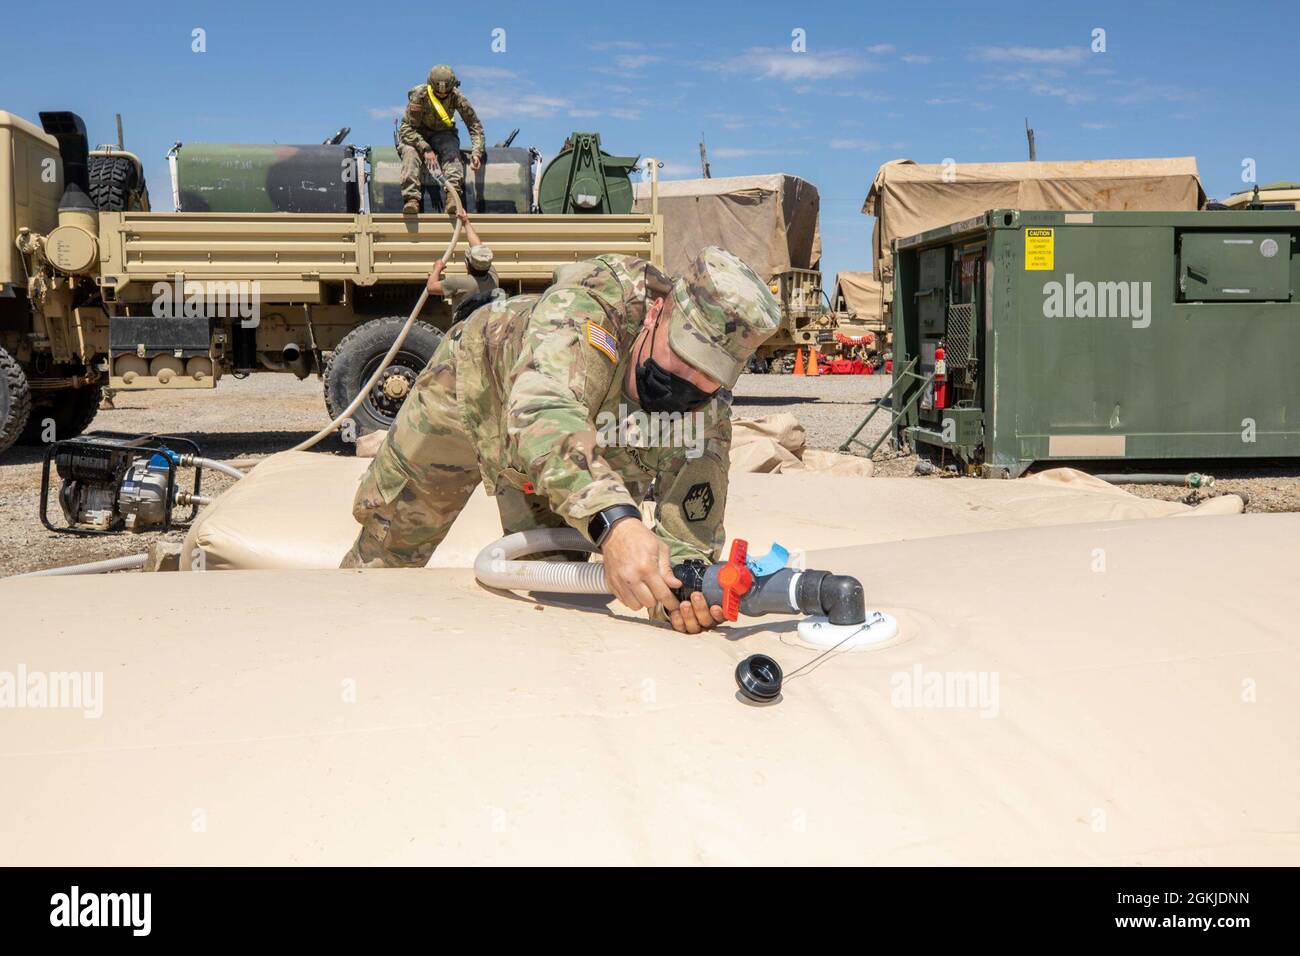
x,y
442,79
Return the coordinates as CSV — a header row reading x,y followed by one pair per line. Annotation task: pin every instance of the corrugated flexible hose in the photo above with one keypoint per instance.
x,y
497,565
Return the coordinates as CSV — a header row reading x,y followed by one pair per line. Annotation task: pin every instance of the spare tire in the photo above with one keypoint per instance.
x,y
116,184
357,357
15,400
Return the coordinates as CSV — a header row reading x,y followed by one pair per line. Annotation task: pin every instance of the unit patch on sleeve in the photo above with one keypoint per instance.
x,y
698,502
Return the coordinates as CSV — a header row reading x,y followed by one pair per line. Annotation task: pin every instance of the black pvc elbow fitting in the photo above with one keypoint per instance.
x,y
843,599
838,596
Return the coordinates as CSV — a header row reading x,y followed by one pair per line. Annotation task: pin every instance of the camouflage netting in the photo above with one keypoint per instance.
x,y
769,221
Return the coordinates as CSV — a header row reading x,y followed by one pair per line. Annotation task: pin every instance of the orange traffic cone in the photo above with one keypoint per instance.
x,y
798,361
812,363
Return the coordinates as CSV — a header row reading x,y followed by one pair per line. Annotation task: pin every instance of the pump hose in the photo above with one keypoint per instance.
x,y
94,567
220,466
496,565
392,353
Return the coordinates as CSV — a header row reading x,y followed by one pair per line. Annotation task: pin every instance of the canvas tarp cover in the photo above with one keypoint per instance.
x,y
769,221
908,198
861,294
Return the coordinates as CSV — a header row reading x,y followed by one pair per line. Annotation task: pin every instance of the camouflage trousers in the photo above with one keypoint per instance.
x,y
424,473
446,146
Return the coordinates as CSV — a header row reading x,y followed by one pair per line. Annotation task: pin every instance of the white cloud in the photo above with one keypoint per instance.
x,y
386,112
618,45
733,152
1097,125
780,64
917,59
864,145
636,61
1071,96
671,170
878,49
943,101
484,73
494,104
1032,54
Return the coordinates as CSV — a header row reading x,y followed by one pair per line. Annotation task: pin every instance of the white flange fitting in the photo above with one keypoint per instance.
x,y
820,632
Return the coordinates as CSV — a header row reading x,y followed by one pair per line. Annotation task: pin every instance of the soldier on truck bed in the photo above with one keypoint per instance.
x,y
479,286
428,134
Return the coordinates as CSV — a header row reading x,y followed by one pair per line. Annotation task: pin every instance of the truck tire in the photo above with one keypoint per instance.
x,y
71,409
15,400
113,183
357,357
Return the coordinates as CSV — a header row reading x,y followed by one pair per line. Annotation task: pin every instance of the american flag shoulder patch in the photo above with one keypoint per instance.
x,y
602,341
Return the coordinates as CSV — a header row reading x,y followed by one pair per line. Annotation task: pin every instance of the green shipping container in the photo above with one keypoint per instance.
x,y
1091,336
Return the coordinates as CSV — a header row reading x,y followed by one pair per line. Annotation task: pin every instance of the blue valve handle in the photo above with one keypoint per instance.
x,y
770,563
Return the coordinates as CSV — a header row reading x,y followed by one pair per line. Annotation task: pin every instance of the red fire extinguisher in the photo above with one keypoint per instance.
x,y
940,378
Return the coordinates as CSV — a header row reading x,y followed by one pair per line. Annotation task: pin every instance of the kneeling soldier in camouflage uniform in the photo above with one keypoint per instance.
x,y
428,132
524,395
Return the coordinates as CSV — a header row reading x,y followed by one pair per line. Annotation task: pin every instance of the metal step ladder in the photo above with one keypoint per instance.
x,y
906,375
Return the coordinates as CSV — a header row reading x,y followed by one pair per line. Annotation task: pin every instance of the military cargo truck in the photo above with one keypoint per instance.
x,y
97,290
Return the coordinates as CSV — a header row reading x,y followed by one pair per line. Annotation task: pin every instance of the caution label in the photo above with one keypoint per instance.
x,y
1040,250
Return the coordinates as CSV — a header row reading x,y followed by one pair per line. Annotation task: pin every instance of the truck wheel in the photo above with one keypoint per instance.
x,y
71,409
356,359
15,400
113,183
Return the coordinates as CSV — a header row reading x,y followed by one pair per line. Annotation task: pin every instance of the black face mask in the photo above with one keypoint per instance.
x,y
659,390
662,391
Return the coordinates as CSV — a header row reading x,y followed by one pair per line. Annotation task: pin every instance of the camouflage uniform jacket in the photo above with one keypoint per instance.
x,y
421,121
535,392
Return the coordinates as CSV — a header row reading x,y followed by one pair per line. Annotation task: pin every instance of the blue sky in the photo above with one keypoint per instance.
x,y
925,81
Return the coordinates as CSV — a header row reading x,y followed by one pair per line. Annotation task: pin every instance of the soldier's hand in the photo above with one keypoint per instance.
x,y
695,615
475,162
637,567
462,214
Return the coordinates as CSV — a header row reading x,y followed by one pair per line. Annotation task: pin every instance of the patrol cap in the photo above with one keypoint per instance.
x,y
479,257
723,312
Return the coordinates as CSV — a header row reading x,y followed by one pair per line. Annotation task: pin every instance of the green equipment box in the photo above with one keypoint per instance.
x,y
1024,337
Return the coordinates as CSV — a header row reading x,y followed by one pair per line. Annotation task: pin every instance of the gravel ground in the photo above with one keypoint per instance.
x,y
267,413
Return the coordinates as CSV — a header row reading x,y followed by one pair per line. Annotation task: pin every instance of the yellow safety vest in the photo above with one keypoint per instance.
x,y
443,115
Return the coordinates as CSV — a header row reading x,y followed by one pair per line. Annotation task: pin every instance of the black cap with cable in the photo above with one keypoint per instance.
x,y
759,678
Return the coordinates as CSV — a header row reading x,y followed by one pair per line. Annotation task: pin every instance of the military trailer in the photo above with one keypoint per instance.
x,y
1024,337
907,198
270,264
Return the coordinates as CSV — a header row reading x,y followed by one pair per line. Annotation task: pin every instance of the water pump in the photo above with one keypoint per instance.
x,y
116,484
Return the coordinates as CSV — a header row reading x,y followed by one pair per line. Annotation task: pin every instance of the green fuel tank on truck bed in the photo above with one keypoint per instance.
x,y
1076,336
244,177
583,178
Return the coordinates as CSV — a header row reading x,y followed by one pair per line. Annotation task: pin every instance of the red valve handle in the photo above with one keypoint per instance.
x,y
735,579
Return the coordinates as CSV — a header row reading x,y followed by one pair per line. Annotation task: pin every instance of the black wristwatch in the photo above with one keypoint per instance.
x,y
602,521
